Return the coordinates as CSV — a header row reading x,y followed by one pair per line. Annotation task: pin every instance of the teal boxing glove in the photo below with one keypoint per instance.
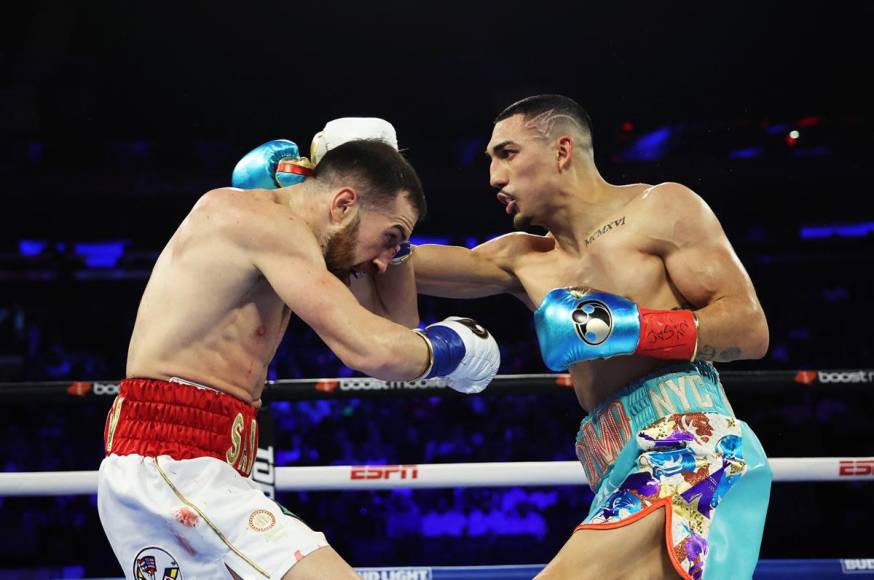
x,y
272,165
579,324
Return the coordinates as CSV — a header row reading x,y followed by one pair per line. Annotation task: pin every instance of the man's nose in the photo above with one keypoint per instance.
x,y
497,176
381,265
382,261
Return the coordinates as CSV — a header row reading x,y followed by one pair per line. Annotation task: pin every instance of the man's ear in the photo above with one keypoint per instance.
x,y
565,151
344,202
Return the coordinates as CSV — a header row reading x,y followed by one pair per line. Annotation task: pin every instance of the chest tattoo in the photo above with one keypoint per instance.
x,y
604,229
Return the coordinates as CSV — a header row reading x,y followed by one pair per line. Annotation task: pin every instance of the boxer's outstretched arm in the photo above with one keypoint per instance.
x,y
457,272
703,266
391,294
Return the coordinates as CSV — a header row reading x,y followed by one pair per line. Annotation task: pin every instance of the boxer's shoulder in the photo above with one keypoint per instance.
x,y
252,219
231,199
508,248
668,198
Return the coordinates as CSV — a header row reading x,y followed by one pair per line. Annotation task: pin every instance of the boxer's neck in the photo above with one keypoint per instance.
x,y
310,206
582,207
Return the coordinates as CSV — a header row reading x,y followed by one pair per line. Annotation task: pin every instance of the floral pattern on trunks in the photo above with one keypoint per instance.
x,y
693,459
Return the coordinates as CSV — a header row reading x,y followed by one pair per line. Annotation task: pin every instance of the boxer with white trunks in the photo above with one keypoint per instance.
x,y
174,493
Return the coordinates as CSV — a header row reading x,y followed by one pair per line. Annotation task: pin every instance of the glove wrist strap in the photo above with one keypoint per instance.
x,y
430,355
668,334
297,165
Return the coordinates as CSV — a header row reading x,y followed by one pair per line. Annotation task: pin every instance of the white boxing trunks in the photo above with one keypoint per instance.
x,y
173,493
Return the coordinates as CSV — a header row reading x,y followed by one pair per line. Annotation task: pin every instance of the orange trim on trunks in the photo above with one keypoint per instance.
x,y
669,543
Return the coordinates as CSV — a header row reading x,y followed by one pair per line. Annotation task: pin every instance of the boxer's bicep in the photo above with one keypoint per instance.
x,y
698,257
707,272
704,268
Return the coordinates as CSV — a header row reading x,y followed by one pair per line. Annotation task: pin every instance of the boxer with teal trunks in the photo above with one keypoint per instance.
x,y
667,440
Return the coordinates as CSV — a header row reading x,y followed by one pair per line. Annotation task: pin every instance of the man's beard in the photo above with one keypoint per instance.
x,y
340,250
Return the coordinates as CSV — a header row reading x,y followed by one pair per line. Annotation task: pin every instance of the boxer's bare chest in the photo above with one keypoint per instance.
x,y
615,257
618,256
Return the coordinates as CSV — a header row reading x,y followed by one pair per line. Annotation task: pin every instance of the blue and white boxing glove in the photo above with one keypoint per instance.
x,y
463,353
580,324
272,165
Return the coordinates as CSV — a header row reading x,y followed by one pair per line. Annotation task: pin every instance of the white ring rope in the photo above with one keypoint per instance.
x,y
437,475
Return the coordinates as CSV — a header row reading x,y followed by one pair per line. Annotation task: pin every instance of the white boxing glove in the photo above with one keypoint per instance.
x,y
347,129
462,352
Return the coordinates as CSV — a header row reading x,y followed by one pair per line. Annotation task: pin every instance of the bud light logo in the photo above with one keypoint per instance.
x,y
593,321
858,566
395,573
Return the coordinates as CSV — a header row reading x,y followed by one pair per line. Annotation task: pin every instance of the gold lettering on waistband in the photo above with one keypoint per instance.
x,y
233,453
112,421
253,447
663,404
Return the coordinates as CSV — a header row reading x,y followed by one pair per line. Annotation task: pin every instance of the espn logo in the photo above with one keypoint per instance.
x,y
384,472
856,467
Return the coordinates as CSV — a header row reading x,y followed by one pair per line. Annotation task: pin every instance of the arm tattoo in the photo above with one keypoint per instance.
x,y
729,354
706,353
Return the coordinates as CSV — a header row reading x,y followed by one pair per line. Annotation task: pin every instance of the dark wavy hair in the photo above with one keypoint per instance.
x,y
377,171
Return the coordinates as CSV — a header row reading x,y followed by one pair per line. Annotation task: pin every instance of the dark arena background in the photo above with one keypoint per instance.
x,y
116,116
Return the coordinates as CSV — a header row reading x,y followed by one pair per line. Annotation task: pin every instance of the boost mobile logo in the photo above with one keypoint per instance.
x,y
365,384
805,377
105,388
845,377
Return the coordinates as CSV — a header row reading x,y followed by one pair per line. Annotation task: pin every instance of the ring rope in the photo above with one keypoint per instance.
x,y
362,387
437,475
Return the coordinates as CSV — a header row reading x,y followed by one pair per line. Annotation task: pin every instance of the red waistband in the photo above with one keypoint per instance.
x,y
151,417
